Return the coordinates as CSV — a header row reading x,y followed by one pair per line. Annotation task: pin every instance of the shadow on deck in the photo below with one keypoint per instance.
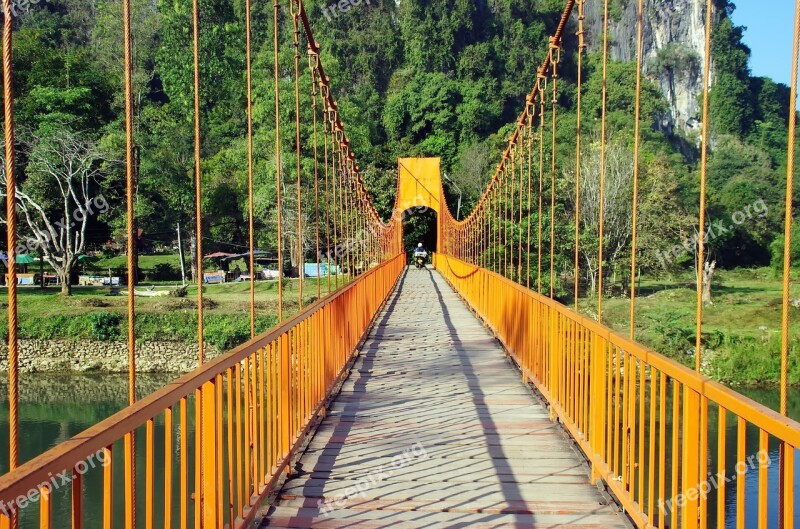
x,y
435,429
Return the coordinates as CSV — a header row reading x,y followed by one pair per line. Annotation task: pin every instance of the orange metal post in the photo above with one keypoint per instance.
x,y
209,498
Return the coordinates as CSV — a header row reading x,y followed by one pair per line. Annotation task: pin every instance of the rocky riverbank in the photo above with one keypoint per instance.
x,y
60,356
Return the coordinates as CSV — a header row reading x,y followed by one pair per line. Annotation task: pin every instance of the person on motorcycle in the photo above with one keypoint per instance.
x,y
420,255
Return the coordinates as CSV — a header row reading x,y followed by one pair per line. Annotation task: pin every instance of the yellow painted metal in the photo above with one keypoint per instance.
x,y
351,309
420,185
671,472
209,499
46,509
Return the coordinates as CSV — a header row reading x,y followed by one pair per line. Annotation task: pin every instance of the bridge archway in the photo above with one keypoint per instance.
x,y
420,187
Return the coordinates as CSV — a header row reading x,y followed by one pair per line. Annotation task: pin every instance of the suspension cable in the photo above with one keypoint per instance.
x,y
250,201
601,223
11,241
504,187
789,208
278,169
294,8
636,158
703,171
313,58
531,111
555,51
198,179
200,467
518,229
512,192
323,93
337,209
543,88
130,440
784,520
497,225
578,130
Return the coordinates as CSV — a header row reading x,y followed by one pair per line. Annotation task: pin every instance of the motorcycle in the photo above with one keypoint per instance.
x,y
419,259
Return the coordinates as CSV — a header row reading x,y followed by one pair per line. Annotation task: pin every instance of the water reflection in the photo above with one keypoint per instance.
x,y
769,397
55,408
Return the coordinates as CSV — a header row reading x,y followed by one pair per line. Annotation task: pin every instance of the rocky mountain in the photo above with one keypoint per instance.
x,y
674,49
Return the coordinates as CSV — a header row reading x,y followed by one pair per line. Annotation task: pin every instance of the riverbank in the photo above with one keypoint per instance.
x,y
66,356
96,314
741,329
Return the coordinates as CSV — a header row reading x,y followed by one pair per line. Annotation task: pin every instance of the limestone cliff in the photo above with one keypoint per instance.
x,y
674,49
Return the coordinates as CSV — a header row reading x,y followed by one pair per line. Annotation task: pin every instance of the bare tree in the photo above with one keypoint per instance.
x,y
708,275
617,226
708,267
289,225
474,169
58,198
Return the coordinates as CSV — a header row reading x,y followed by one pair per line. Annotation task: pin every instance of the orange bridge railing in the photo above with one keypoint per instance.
x,y
648,425
230,427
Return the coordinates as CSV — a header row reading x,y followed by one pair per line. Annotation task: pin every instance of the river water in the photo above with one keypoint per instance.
x,y
56,407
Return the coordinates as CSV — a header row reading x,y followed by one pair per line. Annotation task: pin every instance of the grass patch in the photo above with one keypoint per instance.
x,y
91,314
741,330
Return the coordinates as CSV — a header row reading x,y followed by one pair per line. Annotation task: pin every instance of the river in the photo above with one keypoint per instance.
x,y
57,407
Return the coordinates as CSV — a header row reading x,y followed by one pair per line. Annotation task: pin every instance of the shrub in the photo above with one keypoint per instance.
x,y
164,272
104,326
776,251
754,361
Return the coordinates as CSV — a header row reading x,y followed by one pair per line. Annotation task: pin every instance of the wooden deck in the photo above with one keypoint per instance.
x,y
434,429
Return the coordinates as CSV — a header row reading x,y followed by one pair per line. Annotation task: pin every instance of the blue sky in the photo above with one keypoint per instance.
x,y
768,34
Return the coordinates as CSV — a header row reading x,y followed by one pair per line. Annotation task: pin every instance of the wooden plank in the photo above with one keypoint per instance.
x,y
433,428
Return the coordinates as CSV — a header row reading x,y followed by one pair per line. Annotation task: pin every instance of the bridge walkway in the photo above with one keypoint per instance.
x,y
434,429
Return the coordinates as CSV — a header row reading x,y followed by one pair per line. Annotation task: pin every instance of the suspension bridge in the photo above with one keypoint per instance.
x,y
462,395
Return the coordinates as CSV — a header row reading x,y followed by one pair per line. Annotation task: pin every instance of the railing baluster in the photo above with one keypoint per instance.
x,y
46,508
721,465
209,499
651,446
261,457
676,418
198,464
77,499
229,445
690,457
662,448
168,468
703,461
108,494
741,446
218,449
130,480
639,465
239,438
148,475
788,485
763,480
183,431
248,430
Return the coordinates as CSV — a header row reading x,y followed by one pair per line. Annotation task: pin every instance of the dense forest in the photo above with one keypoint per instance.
x,y
414,77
